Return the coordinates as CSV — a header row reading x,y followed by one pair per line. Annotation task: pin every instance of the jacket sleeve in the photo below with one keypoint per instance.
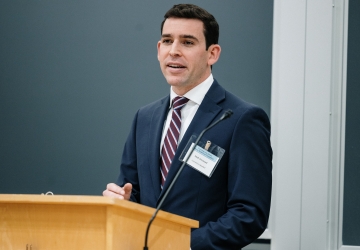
x,y
128,167
248,187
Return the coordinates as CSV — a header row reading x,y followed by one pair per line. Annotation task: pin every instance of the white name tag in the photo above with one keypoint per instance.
x,y
202,160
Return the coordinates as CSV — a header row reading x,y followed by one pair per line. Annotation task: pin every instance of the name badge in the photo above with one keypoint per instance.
x,y
205,156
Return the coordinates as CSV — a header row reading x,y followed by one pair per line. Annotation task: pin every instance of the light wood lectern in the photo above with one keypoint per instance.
x,y
63,222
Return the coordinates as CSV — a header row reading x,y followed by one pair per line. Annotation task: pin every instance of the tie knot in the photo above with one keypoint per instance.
x,y
179,102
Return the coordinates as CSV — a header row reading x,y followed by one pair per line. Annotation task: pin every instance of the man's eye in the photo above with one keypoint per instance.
x,y
188,42
166,41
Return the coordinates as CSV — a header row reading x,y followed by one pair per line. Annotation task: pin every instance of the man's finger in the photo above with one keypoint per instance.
x,y
108,193
127,187
114,188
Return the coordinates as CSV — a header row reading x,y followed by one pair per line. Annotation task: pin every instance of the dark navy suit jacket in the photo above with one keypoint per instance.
x,y
233,205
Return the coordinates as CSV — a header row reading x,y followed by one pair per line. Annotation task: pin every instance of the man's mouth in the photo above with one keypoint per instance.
x,y
174,66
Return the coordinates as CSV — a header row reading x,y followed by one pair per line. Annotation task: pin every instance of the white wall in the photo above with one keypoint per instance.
x,y
306,123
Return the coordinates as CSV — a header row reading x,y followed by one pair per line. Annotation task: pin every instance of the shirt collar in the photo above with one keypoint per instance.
x,y
197,93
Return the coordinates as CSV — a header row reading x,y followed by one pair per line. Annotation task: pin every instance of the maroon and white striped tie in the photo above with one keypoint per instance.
x,y
171,138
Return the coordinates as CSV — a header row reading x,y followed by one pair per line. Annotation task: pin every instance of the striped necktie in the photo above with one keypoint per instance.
x,y
171,138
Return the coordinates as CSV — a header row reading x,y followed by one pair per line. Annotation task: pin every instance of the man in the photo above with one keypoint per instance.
x,y
232,205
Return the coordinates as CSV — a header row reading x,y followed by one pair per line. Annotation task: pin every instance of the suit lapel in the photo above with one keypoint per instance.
x,y
156,128
207,112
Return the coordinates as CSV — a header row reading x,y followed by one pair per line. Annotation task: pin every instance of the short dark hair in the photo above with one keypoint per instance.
x,y
211,27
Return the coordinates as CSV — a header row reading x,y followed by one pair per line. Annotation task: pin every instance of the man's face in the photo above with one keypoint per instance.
x,y
182,54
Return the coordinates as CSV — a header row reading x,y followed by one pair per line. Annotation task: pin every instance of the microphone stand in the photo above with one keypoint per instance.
x,y
226,114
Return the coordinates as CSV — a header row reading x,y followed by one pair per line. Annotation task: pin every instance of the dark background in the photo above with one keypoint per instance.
x,y
351,206
73,74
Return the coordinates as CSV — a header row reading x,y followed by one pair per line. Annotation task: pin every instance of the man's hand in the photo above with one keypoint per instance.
x,y
113,190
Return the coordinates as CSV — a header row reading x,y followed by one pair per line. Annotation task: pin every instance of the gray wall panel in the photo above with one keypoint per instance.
x,y
73,74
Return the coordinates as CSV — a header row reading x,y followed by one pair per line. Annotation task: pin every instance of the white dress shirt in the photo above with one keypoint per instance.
x,y
195,96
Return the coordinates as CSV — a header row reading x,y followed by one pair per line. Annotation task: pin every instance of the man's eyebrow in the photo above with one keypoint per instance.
x,y
189,36
166,35
182,36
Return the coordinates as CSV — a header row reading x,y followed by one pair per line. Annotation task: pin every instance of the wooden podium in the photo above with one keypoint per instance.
x,y
63,222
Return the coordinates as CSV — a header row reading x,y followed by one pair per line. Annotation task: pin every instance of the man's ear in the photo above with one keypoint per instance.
x,y
158,49
214,52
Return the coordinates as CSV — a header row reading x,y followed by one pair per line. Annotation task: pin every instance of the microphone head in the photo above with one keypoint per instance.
x,y
226,114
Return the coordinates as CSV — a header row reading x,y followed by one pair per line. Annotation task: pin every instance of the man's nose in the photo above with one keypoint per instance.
x,y
175,49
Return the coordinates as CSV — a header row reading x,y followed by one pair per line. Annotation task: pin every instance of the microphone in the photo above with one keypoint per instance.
x,y
226,115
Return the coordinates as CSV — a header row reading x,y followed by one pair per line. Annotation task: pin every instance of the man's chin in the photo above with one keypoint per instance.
x,y
175,81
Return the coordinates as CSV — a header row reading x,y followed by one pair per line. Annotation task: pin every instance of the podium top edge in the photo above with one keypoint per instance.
x,y
94,201
54,199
